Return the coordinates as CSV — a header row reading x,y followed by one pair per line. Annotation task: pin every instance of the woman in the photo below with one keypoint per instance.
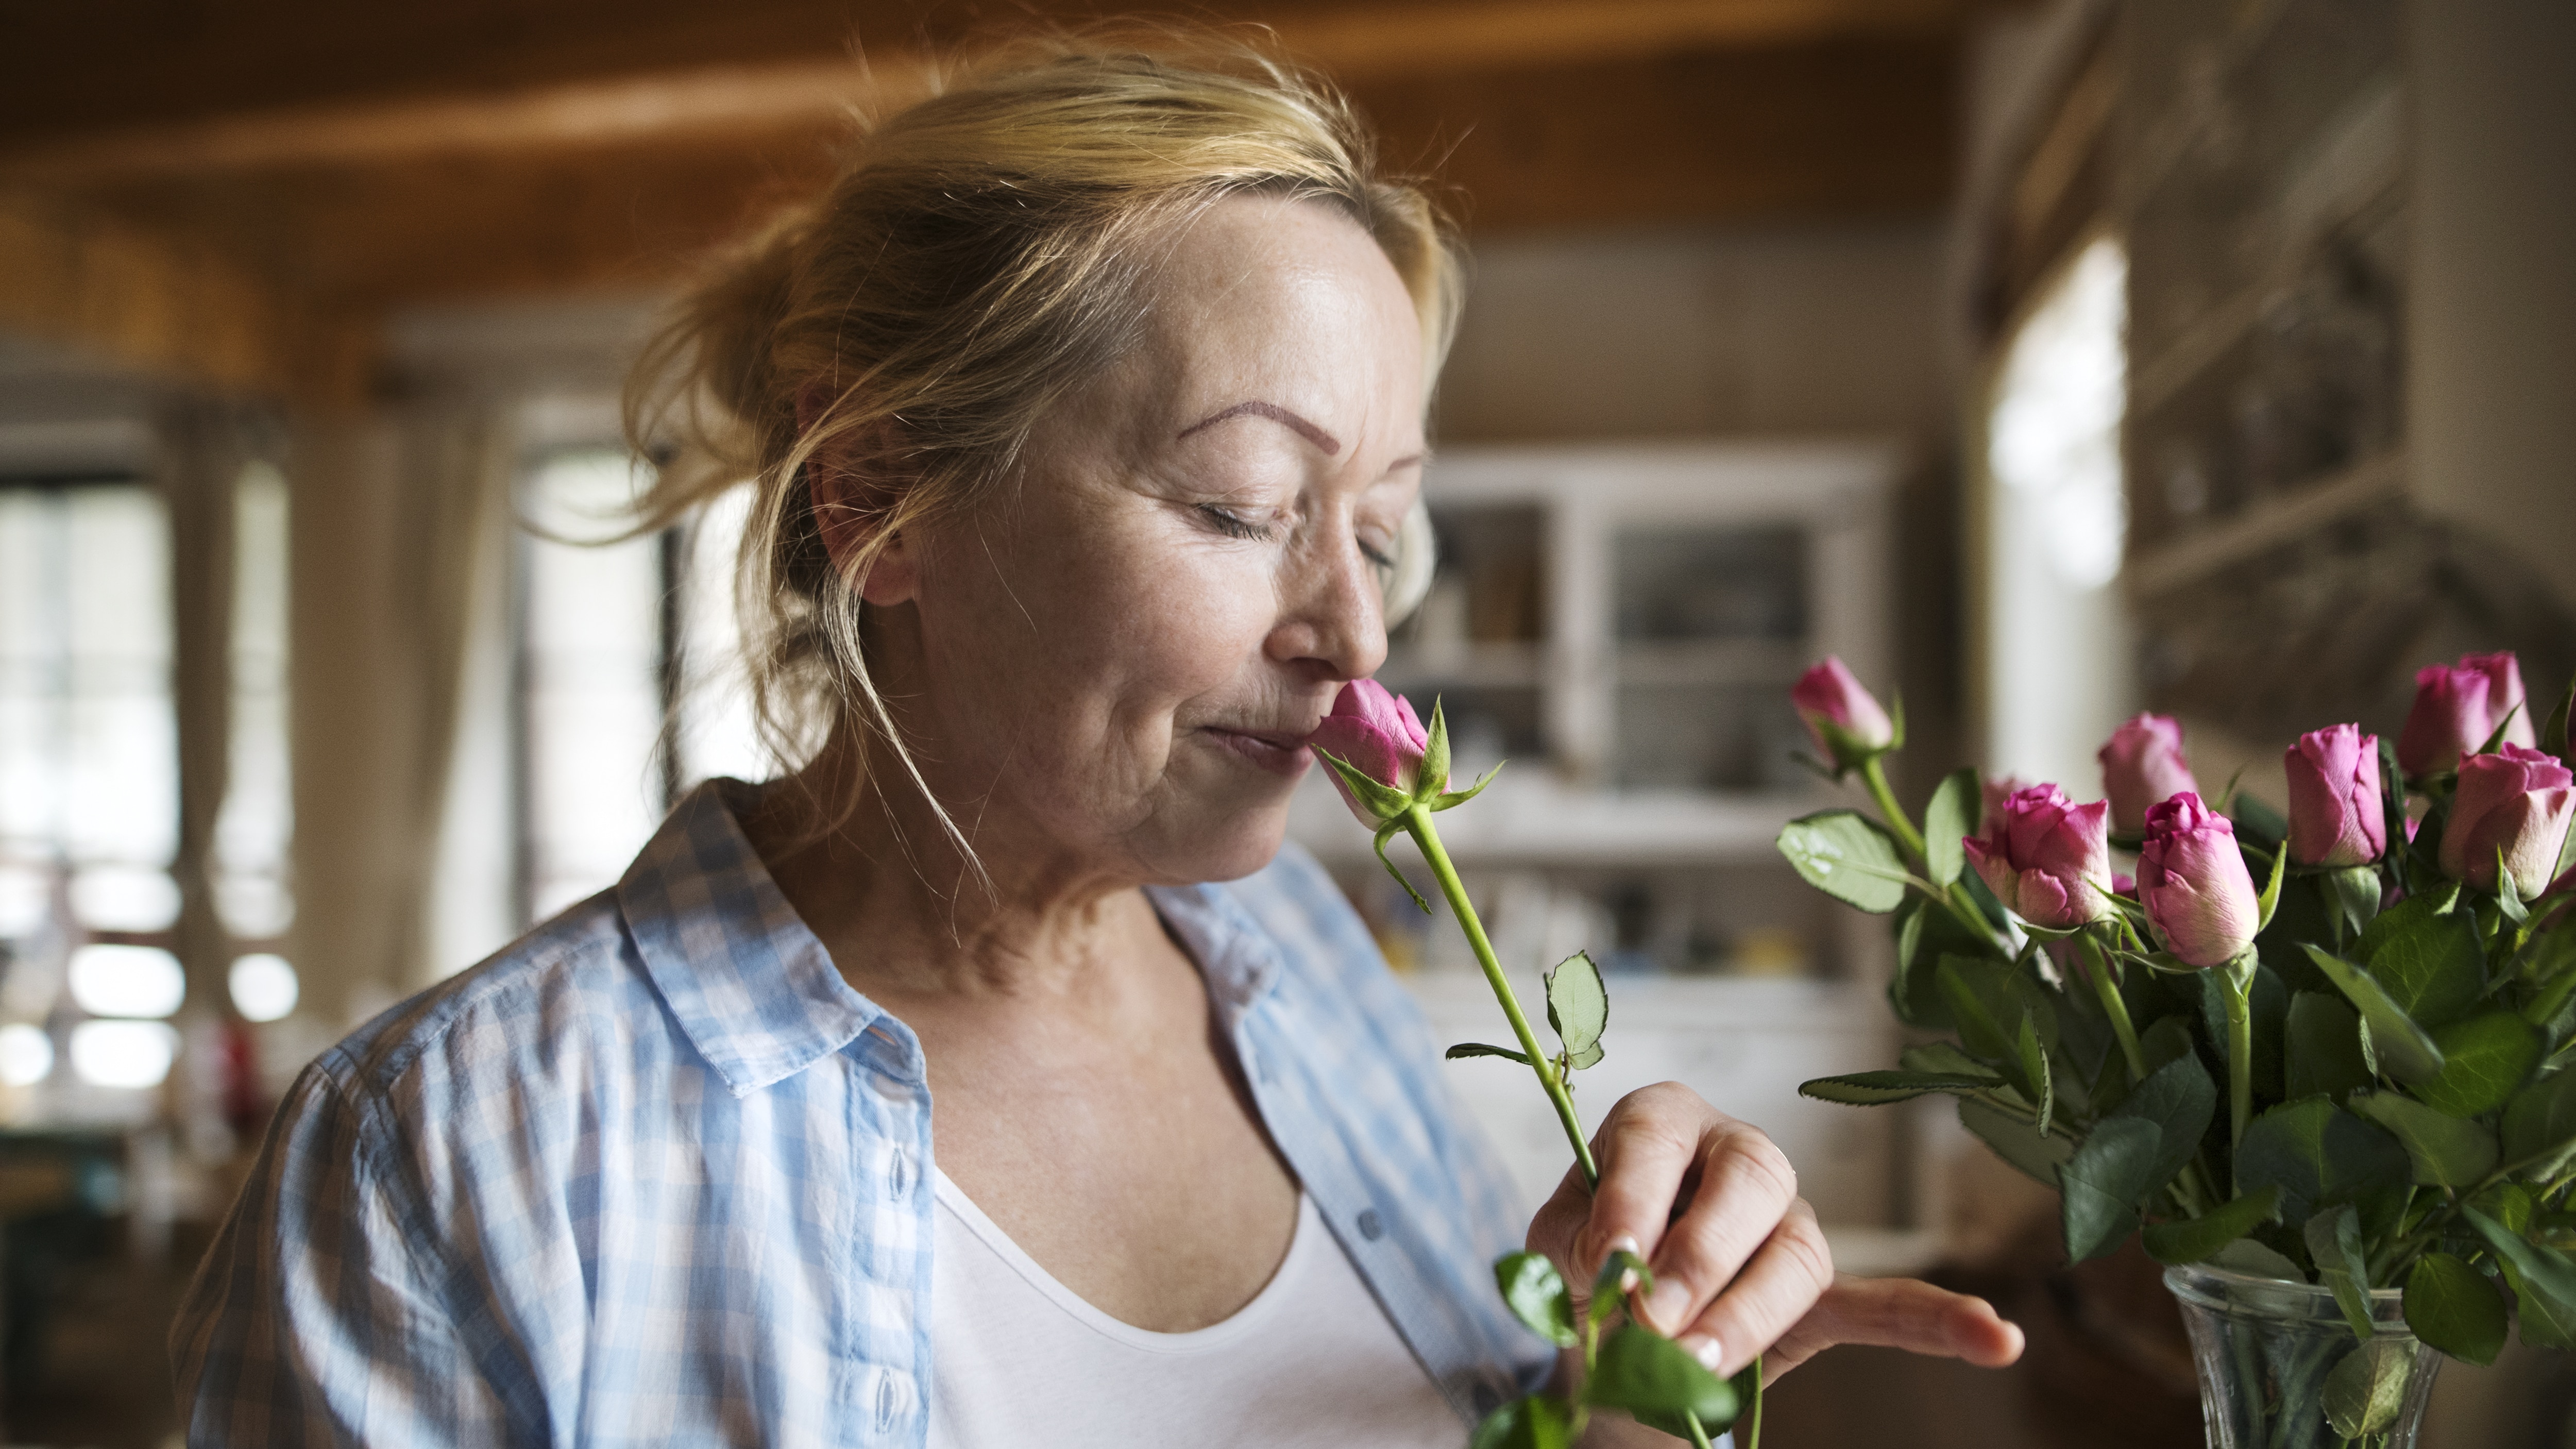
x,y
1086,412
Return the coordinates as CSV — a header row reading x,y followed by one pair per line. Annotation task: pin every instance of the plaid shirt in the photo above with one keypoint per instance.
x,y
656,1174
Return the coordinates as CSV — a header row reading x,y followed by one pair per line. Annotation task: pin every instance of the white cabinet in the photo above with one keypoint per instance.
x,y
1623,622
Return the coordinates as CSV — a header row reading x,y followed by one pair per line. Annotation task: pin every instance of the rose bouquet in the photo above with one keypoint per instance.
x,y
1393,771
2320,1062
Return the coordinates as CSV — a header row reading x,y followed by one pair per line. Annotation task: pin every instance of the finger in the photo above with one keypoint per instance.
x,y
1777,1288
1646,1147
1899,1313
1552,1230
1745,1190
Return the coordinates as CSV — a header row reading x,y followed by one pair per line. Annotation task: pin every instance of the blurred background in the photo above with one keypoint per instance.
x,y
2046,360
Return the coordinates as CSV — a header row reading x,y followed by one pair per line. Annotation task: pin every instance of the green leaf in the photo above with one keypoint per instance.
x,y
2270,900
2446,1151
1536,1422
2034,1069
2013,1140
1466,1049
2315,1152
2453,1307
1947,822
1941,1057
2193,1240
2179,1100
2553,731
2404,1049
2543,1279
2485,1060
2367,1388
1642,1371
1385,833
2432,966
2540,1126
1536,1292
1578,1007
2352,895
2101,1186
2334,1245
1621,1273
1432,775
2249,1257
1383,801
1456,798
1847,856
2322,1048
1871,1089
2166,1039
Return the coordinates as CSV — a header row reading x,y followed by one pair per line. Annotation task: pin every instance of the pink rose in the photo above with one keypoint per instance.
x,y
2336,817
2516,804
1378,734
2457,708
2046,858
2193,883
2142,765
1847,724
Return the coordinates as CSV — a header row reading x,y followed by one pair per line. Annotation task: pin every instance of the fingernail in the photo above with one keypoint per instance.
x,y
1701,1347
1664,1306
1623,1243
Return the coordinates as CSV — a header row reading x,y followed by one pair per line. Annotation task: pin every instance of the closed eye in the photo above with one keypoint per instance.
x,y
1232,524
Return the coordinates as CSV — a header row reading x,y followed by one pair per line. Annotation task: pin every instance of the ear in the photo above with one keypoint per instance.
x,y
848,505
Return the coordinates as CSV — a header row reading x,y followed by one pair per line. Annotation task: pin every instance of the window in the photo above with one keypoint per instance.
x,y
89,782
616,636
2057,656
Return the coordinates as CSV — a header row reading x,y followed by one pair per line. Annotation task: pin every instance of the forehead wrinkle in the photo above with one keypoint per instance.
x,y
1277,414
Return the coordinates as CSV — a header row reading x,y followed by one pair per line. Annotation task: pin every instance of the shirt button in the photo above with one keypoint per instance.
x,y
1372,1227
899,1173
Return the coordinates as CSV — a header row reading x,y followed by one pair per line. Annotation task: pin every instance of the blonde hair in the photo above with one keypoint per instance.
x,y
978,256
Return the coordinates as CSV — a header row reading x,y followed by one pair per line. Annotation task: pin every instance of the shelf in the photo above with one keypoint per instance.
x,y
1711,662
1471,666
2266,525
1535,820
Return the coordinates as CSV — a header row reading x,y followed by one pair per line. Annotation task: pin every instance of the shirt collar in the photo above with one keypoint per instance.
x,y
750,984
758,995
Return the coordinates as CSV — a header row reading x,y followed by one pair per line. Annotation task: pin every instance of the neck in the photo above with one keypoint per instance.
x,y
907,913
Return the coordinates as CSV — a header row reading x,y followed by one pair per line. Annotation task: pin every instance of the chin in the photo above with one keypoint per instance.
x,y
1227,848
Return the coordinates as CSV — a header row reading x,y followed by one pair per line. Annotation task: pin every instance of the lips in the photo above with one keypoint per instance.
x,y
1281,752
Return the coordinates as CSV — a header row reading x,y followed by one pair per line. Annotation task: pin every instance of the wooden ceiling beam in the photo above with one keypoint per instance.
x,y
448,105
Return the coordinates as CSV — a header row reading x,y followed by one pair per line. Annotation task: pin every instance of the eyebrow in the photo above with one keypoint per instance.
x,y
1277,414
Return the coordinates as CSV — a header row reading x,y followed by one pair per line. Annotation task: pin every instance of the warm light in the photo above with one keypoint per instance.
x,y
26,1054
132,1054
125,898
127,981
263,986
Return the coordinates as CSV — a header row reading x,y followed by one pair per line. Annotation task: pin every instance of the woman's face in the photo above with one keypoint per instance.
x,y
1116,664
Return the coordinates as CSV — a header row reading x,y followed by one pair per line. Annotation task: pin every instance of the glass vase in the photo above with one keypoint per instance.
x,y
2268,1353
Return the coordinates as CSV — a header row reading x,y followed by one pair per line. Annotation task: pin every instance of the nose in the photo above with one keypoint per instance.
x,y
1332,611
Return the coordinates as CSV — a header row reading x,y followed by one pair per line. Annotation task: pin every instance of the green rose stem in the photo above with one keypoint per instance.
x,y
1426,837
1876,779
2240,1048
2099,968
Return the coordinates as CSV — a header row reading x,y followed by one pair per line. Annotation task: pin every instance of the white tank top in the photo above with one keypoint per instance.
x,y
1311,1362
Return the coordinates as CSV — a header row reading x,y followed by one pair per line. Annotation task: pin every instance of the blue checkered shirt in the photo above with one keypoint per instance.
x,y
657,1174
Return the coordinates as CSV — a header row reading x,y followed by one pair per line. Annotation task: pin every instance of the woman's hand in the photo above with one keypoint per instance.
x,y
1741,1268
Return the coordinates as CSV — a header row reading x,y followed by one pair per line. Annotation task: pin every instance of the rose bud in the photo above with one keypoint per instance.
x,y
1377,734
2457,708
2515,804
2142,765
2336,818
1845,721
2046,858
2193,883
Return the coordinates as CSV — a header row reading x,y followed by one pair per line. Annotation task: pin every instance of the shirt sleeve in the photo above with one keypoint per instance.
x,y
319,1316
